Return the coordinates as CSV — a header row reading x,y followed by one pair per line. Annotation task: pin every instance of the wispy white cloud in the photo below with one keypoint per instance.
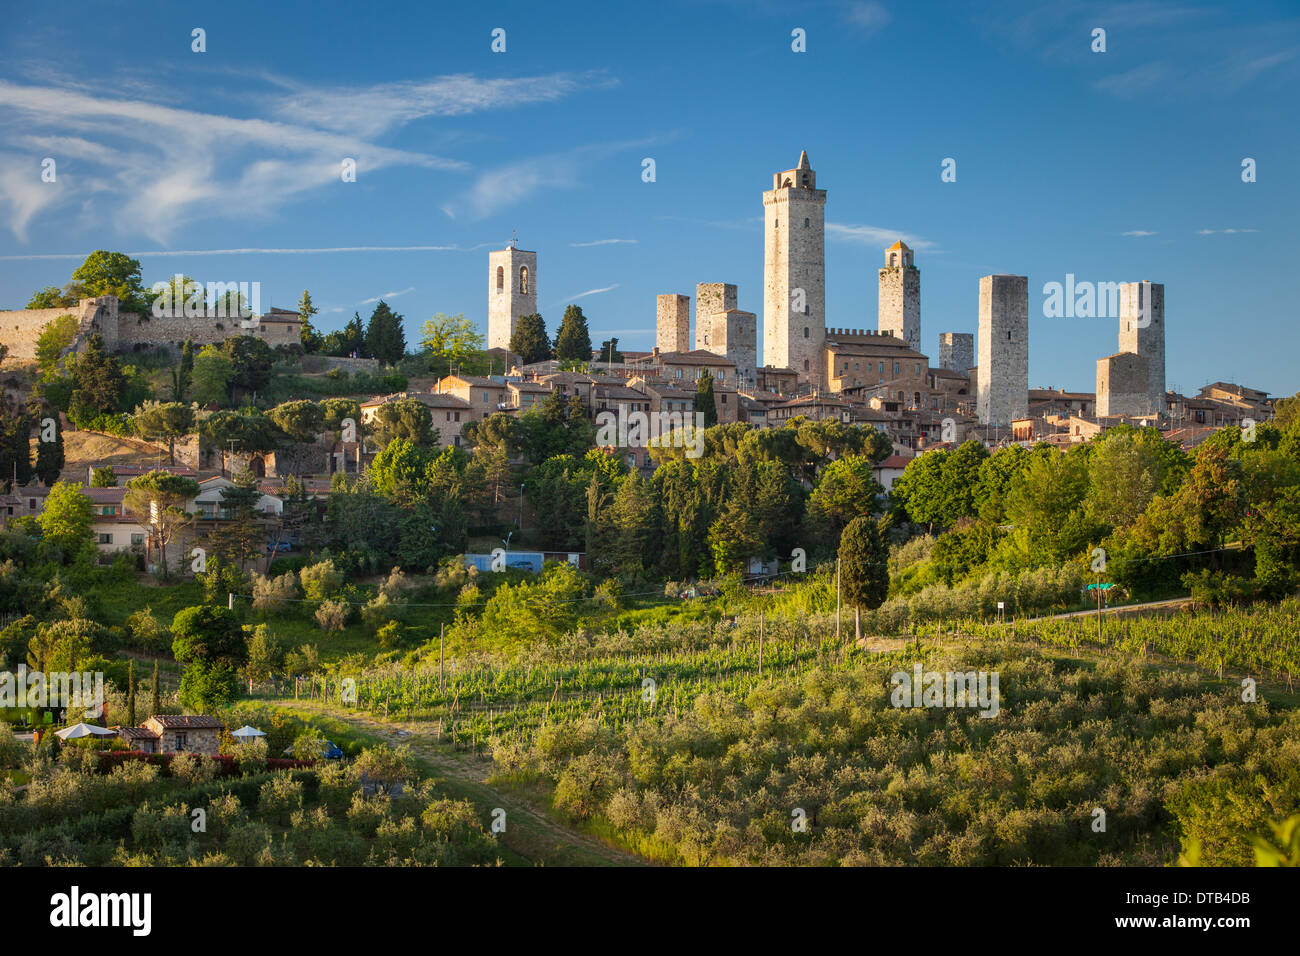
x,y
583,295
874,236
602,242
1138,80
159,167
1225,232
866,16
507,185
386,296
369,111
251,251
1139,232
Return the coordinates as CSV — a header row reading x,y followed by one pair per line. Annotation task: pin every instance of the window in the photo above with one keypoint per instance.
x,y
805,223
805,365
137,539
485,397
501,278
895,368
1008,335
105,539
523,280
181,742
893,259
882,368
457,416
805,331
918,368
724,398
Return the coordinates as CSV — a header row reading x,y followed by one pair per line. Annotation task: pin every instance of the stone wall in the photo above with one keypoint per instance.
x,y
1003,349
20,328
1122,381
956,351
673,323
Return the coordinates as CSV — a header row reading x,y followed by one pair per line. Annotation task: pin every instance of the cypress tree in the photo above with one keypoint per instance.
x,y
573,341
157,704
704,400
130,693
529,340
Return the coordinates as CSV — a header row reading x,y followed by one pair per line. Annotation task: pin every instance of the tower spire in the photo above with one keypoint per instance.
x,y
803,160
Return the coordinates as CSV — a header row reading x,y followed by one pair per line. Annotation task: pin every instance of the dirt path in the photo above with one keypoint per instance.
x,y
530,831
1121,608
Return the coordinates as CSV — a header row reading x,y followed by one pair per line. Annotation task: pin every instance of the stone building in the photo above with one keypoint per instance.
x,y
734,334
956,351
1142,332
899,308
711,298
868,362
1122,383
176,734
794,272
512,292
673,323
1003,349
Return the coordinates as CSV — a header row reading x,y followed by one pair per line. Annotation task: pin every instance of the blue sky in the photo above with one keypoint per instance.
x,y
1113,166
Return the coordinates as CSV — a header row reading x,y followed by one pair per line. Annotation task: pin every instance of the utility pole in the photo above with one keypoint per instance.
x,y
521,508
1099,608
760,643
442,637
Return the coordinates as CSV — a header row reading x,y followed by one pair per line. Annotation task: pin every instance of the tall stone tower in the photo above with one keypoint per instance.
x,y
794,273
673,323
899,310
512,292
956,351
711,298
1003,349
1142,332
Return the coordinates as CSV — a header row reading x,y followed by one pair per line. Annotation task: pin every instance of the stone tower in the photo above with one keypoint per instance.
x,y
1003,349
711,298
899,309
673,323
512,292
1142,332
957,351
794,273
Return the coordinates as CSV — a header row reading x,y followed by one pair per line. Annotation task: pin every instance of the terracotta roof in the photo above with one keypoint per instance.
x,y
188,721
693,357
894,461
900,244
474,380
136,733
